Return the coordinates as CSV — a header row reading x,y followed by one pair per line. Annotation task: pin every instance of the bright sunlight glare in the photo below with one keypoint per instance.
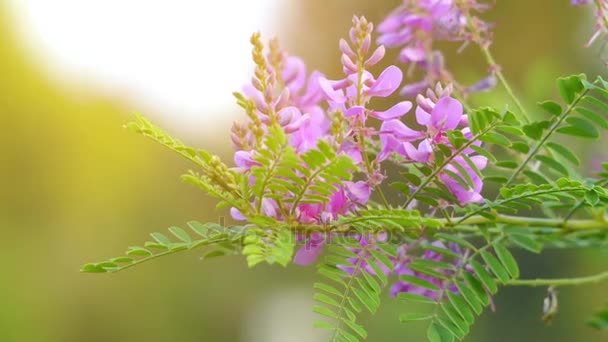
x,y
182,58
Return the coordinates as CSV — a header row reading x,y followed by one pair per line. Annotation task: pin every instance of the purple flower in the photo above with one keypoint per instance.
x,y
401,268
444,116
601,16
340,203
469,193
414,26
437,114
436,119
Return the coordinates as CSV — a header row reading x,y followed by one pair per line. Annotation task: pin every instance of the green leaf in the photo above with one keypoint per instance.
x,y
526,242
495,266
483,152
356,328
198,228
328,288
415,298
569,87
413,316
484,276
551,107
471,297
180,234
161,238
600,320
592,197
323,325
507,260
462,307
552,163
437,333
496,138
138,251
449,326
323,298
419,282
455,318
321,310
507,164
535,130
580,128
476,288
593,117
520,146
564,152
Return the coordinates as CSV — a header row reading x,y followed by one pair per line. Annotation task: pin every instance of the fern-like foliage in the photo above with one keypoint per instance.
x,y
212,176
269,245
544,159
292,178
218,239
376,246
563,193
355,275
469,282
378,219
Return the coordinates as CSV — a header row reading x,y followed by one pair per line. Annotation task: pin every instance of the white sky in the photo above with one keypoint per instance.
x,y
182,58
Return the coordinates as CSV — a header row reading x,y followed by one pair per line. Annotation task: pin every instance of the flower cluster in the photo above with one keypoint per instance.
x,y
601,16
310,108
282,93
437,113
416,25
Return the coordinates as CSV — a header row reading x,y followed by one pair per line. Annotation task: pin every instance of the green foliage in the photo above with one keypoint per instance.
x,y
380,219
564,192
212,176
292,178
600,319
536,173
583,112
220,241
354,282
470,281
269,245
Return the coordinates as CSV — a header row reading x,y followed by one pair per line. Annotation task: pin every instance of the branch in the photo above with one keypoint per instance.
x,y
593,279
529,222
547,135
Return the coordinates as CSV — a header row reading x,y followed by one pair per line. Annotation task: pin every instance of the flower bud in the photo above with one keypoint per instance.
x,y
375,57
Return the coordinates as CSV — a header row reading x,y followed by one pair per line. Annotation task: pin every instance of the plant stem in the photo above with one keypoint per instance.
x,y
492,62
593,279
531,222
548,134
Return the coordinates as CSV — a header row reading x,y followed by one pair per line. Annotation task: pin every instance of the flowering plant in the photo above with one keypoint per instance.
x,y
397,198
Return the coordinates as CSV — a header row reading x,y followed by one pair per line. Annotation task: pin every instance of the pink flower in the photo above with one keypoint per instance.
x,y
414,26
470,193
341,202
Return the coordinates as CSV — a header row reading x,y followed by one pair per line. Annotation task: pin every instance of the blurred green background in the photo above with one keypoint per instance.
x,y
76,187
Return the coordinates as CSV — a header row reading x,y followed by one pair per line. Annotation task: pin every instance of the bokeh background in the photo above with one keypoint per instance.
x,y
76,187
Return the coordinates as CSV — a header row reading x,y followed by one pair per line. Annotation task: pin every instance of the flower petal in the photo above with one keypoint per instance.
x,y
386,84
400,130
358,191
237,215
394,112
331,93
446,113
307,254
